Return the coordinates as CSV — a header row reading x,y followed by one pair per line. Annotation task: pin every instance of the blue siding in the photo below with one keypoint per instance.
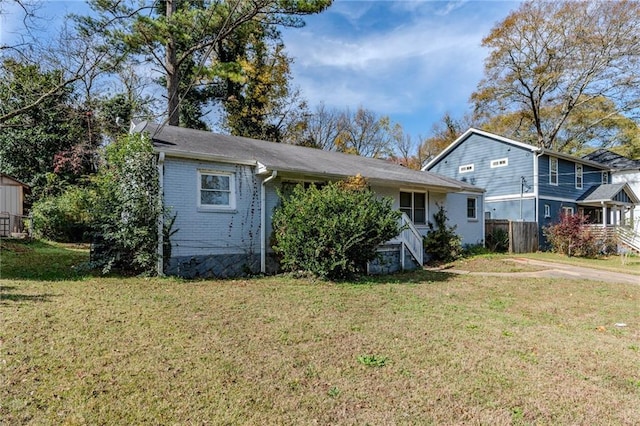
x,y
566,187
555,211
480,151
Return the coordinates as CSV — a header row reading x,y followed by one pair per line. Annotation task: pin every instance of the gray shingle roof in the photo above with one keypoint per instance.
x,y
198,144
613,160
605,193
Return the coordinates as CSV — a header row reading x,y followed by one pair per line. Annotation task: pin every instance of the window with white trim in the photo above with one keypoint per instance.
x,y
472,208
216,190
578,176
547,210
414,205
567,211
500,162
605,178
553,171
466,168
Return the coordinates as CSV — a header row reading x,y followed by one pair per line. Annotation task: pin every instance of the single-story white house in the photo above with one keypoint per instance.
x,y
223,190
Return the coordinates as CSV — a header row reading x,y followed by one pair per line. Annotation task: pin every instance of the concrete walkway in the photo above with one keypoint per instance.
x,y
559,270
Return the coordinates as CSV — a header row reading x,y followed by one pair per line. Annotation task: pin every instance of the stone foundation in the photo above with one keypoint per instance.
x,y
219,265
389,260
242,265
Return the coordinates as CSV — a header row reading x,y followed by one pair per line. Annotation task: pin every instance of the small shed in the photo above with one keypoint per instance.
x,y
12,193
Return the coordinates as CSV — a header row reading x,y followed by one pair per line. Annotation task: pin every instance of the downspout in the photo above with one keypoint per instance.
x,y
536,183
263,222
160,252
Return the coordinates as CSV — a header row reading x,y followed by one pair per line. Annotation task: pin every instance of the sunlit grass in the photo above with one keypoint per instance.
x,y
418,348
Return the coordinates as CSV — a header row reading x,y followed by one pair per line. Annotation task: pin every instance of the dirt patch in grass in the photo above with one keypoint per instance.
x,y
490,263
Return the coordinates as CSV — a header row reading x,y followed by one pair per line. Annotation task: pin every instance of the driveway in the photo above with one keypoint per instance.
x,y
559,270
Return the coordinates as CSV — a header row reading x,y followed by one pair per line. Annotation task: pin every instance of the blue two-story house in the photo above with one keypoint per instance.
x,y
527,183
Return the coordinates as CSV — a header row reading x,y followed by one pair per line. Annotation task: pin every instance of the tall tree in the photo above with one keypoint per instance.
x,y
320,128
262,104
364,133
73,56
552,63
181,38
443,134
31,141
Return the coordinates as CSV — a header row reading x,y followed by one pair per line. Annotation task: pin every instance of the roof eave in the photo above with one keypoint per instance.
x,y
204,157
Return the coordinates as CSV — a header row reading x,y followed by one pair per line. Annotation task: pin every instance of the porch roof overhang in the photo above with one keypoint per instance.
x,y
619,194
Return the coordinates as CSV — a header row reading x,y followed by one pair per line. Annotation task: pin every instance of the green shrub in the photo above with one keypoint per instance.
x,y
498,241
334,231
127,208
63,218
441,243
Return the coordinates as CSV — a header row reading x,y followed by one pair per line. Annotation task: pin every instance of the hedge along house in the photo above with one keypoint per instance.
x,y
223,190
527,183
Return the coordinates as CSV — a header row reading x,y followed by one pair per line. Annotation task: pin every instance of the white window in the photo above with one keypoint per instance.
x,y
605,178
472,208
414,205
216,190
500,162
578,176
466,168
547,210
553,171
567,211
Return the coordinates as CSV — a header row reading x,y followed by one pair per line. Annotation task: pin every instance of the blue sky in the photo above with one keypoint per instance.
x,y
412,60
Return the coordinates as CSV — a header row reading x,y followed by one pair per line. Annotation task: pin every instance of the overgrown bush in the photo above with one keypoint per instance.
x,y
498,241
572,237
332,232
63,218
441,243
128,207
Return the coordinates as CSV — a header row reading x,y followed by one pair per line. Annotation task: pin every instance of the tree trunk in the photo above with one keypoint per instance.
x,y
173,76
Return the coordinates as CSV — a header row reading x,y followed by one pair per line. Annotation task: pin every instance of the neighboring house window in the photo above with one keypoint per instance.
x,y
466,168
216,190
578,176
472,208
500,162
547,210
553,171
605,178
414,205
567,211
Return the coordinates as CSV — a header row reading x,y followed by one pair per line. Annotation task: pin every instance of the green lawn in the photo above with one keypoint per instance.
x,y
421,348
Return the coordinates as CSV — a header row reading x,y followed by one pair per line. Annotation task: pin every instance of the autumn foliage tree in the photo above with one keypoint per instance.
x,y
561,74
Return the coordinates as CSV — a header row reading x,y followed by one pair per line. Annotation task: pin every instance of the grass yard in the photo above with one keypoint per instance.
x,y
420,348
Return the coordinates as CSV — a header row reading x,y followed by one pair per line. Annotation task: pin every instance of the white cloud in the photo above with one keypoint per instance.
x,y
427,60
